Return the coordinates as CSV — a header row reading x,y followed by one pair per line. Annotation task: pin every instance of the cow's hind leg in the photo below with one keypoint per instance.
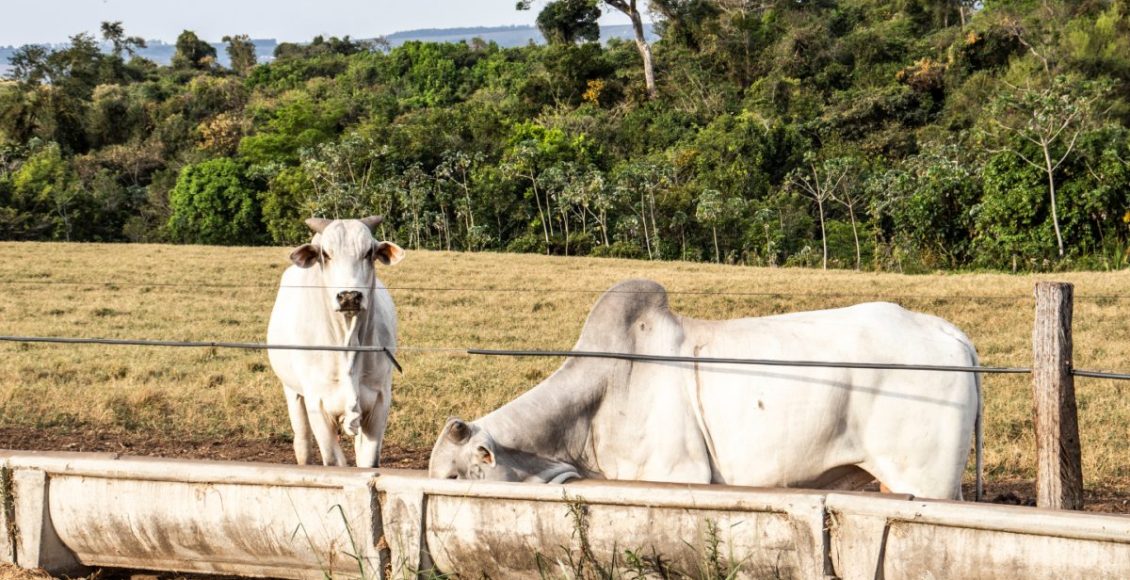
x,y
300,423
934,481
374,420
325,433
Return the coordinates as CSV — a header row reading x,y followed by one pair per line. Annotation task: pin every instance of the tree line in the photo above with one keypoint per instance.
x,y
907,136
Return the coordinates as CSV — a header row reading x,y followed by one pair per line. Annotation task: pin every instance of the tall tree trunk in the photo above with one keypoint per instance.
x,y
1051,189
416,229
470,216
823,233
66,222
446,230
645,54
548,221
717,257
654,225
541,214
643,219
855,234
629,8
565,226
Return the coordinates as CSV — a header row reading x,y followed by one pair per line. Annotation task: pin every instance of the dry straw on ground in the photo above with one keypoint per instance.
x,y
12,572
484,300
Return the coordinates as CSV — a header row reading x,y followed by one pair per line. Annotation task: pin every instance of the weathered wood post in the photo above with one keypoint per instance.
x,y
1059,469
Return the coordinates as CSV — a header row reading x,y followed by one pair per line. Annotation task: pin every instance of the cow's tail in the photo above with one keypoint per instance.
x,y
980,436
978,431
978,417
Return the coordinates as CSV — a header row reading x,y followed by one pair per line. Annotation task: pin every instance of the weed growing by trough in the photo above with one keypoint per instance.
x,y
8,511
453,301
580,560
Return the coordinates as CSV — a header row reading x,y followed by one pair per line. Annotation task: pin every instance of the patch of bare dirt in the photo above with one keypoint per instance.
x,y
1023,493
142,444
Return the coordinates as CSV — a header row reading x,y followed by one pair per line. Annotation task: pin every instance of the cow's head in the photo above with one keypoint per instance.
x,y
467,451
345,251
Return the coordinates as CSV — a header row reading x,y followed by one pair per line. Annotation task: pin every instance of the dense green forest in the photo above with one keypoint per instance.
x,y
908,136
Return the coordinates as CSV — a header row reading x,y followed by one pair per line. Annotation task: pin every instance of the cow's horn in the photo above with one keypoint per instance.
x,y
318,224
458,431
373,221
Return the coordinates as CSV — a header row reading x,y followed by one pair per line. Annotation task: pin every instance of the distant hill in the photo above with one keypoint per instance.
x,y
161,52
506,36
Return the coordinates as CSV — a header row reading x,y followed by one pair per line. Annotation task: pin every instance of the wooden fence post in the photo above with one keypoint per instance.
x,y
1059,469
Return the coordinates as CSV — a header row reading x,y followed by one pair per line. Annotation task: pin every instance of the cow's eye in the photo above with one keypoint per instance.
x,y
325,255
453,476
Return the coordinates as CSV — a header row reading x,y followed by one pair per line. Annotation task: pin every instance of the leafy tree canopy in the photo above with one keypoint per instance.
x,y
907,136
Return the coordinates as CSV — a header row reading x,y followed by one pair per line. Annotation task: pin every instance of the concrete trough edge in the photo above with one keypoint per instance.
x,y
624,493
999,518
116,466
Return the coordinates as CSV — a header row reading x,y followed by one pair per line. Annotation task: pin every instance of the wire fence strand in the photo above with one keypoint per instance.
x,y
514,353
200,344
390,352
747,361
1101,375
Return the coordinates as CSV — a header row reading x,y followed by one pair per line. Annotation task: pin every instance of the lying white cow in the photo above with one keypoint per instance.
x,y
738,424
332,297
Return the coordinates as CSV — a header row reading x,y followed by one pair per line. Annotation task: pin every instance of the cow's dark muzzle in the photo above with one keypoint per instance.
x,y
349,301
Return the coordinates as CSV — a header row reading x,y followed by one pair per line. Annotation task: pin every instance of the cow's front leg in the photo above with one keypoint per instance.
x,y
325,433
374,420
300,423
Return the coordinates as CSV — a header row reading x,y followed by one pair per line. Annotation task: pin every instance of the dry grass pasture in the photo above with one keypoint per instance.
x,y
455,301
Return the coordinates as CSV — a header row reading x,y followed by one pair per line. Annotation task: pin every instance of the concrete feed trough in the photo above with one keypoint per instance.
x,y
73,510
67,511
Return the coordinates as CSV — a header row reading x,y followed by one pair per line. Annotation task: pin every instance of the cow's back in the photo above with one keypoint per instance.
x,y
784,425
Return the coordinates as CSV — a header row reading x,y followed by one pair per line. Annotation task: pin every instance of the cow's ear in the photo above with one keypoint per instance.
x,y
306,255
458,432
387,253
484,455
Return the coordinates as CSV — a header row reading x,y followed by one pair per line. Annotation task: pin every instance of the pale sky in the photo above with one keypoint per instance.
x,y
52,21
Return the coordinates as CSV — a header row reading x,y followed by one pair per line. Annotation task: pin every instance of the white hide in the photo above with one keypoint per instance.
x,y
328,390
739,424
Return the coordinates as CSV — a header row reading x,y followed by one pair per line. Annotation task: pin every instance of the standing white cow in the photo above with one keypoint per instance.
x,y
331,297
738,424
